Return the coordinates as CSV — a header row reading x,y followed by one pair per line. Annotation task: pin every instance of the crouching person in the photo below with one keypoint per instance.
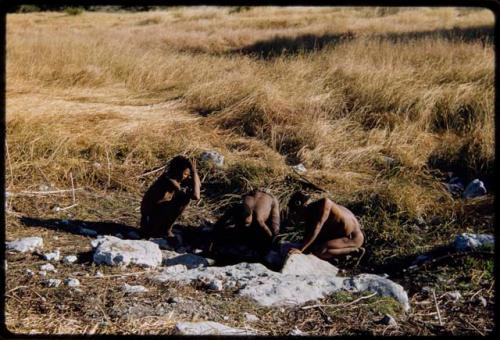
x,y
168,196
331,229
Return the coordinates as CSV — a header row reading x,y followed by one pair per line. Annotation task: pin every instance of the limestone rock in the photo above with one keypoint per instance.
x,y
134,289
172,258
69,259
48,267
53,256
213,157
301,264
300,168
52,283
475,188
113,251
208,328
297,332
70,282
465,241
25,244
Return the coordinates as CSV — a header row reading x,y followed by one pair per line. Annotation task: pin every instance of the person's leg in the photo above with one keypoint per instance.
x,y
340,246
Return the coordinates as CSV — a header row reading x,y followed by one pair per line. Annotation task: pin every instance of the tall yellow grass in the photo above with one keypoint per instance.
x,y
107,96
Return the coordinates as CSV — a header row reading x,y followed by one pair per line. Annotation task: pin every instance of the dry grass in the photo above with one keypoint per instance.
x,y
105,97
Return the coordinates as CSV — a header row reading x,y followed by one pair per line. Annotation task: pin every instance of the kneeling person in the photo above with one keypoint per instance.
x,y
331,229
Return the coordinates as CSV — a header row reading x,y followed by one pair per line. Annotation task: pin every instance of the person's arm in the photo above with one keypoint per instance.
x,y
275,217
196,184
311,237
225,218
264,227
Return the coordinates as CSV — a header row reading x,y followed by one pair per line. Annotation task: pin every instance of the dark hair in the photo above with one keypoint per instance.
x,y
298,199
177,165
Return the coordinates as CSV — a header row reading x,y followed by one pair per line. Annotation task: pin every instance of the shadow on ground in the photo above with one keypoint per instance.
x,y
306,43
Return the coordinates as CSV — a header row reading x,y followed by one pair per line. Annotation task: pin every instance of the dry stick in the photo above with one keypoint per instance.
x,y
341,304
473,326
13,289
72,187
35,193
152,172
437,308
109,169
10,164
116,275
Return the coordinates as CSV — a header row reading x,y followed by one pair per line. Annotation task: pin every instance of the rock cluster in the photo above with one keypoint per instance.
x,y
114,251
26,244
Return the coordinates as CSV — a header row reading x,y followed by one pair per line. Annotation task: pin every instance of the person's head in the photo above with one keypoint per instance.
x,y
179,168
297,203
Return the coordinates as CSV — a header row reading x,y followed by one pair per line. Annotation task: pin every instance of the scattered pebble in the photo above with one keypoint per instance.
x,y
213,157
53,256
475,188
29,272
42,273
197,251
482,301
300,168
298,332
70,259
174,299
250,317
99,274
388,320
25,244
225,318
134,289
70,282
55,237
456,296
53,283
48,267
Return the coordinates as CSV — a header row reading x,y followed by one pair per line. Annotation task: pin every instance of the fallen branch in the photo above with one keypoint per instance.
x,y
437,308
36,193
341,304
152,172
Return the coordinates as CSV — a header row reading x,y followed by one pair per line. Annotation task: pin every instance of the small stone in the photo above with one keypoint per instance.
x,y
208,328
300,168
25,244
297,332
29,272
48,267
216,285
455,296
134,289
43,187
42,273
69,259
70,282
225,317
475,188
250,317
213,157
99,274
53,283
388,320
55,238
466,241
53,256
197,251
174,299
175,269
482,301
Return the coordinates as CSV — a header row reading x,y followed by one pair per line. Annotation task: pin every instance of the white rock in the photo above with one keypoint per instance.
x,y
208,328
69,259
197,251
475,188
53,256
48,267
212,157
172,258
482,301
455,296
300,168
301,264
42,273
55,237
53,283
130,289
175,269
99,274
250,317
88,232
25,244
70,282
29,272
297,332
113,251
269,288
467,241
388,320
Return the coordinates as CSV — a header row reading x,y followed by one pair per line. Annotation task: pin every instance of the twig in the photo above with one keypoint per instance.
x,y
13,289
10,164
473,326
437,308
109,169
35,193
341,304
68,207
472,297
116,275
151,172
72,187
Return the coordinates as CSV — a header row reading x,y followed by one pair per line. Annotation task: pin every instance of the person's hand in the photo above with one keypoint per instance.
x,y
176,184
294,251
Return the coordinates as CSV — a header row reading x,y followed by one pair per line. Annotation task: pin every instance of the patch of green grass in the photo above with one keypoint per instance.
x,y
73,10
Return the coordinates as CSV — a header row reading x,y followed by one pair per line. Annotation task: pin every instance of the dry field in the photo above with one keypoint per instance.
x,y
376,103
